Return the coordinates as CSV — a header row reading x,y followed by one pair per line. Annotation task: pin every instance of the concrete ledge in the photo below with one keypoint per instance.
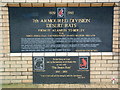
x,y
27,54
50,54
38,54
73,54
63,54
15,54
84,53
107,53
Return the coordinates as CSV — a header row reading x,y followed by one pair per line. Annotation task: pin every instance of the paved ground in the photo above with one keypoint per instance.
x,y
60,86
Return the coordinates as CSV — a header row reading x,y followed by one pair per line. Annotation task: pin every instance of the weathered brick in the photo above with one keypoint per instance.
x,y
30,77
5,32
113,68
112,61
6,44
116,12
5,21
116,27
6,40
84,4
93,61
106,72
95,80
16,81
115,72
27,66
9,77
15,73
95,72
37,4
6,65
116,8
21,69
92,76
1,48
6,48
21,77
101,61
115,42
92,69
1,23
116,57
4,28
4,51
27,81
95,65
111,76
116,31
5,24
4,58
29,62
5,73
116,23
101,68
15,58
5,16
107,57
26,58
115,46
101,76
25,4
27,73
115,50
116,65
4,13
116,16
1,55
10,62
16,66
30,69
96,57
21,62
6,81
5,36
105,80
61,4
10,69
106,65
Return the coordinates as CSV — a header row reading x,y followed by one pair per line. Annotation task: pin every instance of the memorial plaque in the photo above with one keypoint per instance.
x,y
58,70
68,29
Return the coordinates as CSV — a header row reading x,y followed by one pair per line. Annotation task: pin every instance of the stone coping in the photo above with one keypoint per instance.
x,y
62,54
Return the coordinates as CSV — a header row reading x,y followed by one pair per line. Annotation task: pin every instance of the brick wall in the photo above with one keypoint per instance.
x,y
17,68
59,1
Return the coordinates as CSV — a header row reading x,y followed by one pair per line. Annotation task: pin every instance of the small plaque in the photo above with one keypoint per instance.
x,y
58,70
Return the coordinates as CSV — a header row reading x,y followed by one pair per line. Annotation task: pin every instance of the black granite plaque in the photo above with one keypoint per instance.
x,y
68,29
58,70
